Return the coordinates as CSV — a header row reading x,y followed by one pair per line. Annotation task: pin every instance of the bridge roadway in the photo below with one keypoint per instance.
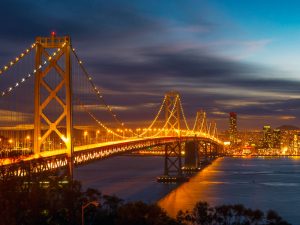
x,y
50,160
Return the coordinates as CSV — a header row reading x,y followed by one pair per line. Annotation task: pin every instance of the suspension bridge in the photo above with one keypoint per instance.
x,y
54,115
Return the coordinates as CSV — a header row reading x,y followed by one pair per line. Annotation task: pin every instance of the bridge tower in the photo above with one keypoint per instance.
x,y
201,122
200,125
213,129
56,50
191,157
173,160
172,113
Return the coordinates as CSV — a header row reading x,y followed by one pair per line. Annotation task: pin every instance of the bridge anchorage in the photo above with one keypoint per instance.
x,y
61,140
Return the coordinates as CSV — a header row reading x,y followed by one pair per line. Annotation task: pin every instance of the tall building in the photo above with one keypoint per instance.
x,y
267,137
232,128
295,145
277,138
290,141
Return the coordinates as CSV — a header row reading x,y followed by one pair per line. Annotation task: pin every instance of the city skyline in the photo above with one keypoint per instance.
x,y
220,57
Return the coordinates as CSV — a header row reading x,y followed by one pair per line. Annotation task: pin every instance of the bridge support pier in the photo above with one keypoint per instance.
x,y
173,164
204,154
215,151
203,151
173,159
191,160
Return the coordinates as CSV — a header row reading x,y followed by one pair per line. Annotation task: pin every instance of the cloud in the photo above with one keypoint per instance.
x,y
10,117
287,117
219,113
136,52
239,49
116,108
207,81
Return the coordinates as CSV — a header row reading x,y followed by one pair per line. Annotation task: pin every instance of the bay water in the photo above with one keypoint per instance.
x,y
259,183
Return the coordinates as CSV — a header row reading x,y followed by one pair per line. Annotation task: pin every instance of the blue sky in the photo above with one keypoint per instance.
x,y
222,56
272,25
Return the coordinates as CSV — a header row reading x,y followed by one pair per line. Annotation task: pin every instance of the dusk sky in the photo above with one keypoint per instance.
x,y
221,55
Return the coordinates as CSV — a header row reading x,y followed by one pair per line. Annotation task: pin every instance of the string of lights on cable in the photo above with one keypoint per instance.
x,y
17,59
29,75
156,117
168,119
96,90
101,124
114,116
183,115
98,121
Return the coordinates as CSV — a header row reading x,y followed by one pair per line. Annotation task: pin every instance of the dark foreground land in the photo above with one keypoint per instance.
x,y
55,200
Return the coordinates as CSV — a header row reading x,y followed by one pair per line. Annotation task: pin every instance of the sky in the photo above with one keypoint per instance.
x,y
222,56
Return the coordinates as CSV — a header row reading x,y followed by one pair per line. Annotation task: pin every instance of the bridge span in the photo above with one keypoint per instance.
x,y
64,96
47,161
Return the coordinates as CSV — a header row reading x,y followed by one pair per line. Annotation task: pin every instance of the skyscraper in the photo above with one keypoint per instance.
x,y
277,138
232,128
267,137
295,144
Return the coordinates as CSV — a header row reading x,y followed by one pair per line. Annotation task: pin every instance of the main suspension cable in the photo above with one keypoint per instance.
x,y
13,62
96,90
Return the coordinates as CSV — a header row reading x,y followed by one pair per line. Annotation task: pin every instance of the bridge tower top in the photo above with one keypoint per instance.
x,y
53,41
172,94
201,122
172,113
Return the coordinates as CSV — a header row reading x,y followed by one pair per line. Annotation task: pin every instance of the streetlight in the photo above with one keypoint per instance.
x,y
27,140
85,134
10,141
95,203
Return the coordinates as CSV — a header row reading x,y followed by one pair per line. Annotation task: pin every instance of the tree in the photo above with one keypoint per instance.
x,y
139,213
52,199
274,219
203,214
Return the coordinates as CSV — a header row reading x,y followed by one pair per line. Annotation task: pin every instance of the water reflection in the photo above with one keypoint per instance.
x,y
264,183
198,188
131,178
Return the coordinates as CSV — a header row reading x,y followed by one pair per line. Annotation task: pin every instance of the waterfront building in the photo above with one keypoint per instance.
x,y
290,143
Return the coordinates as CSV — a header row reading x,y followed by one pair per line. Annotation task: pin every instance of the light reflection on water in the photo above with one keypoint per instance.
x,y
198,188
262,183
255,182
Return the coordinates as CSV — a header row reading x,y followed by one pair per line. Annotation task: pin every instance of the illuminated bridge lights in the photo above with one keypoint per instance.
x,y
124,139
85,154
168,179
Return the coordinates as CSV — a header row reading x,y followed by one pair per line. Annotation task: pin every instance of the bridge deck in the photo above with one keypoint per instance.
x,y
82,154
122,145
